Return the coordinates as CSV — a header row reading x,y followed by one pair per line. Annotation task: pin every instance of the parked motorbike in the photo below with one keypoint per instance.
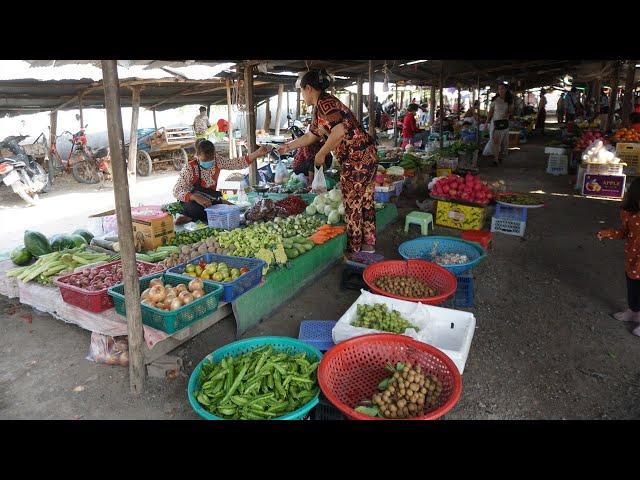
x,y
94,166
21,172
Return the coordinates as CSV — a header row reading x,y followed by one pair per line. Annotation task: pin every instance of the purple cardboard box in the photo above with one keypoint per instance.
x,y
610,186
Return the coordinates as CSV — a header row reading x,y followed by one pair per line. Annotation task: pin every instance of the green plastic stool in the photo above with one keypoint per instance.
x,y
419,218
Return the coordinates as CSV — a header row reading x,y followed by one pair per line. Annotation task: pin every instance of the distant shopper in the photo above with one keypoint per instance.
x,y
560,108
498,121
542,112
630,232
423,114
603,108
572,104
201,123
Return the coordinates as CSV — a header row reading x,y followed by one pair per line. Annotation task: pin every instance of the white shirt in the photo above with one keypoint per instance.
x,y
500,109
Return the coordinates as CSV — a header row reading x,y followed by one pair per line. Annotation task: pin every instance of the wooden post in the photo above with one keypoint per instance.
x,y
155,122
597,86
81,114
288,110
232,149
279,108
359,99
395,120
209,111
372,113
432,105
459,97
133,134
251,121
627,101
477,113
614,94
401,99
125,229
297,103
267,116
53,121
441,104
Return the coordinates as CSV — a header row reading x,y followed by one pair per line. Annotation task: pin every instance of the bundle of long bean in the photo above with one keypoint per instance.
x,y
257,385
54,264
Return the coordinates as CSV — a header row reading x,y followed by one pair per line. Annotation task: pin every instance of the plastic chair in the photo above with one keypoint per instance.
x,y
419,218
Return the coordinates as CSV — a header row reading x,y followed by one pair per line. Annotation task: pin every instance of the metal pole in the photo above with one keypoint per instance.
x,y
133,134
125,228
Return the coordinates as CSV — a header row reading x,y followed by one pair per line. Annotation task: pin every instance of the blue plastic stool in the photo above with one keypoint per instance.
x,y
419,218
317,333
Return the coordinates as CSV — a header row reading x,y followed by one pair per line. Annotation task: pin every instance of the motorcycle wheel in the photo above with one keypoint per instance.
x,y
43,176
144,164
86,171
20,190
179,158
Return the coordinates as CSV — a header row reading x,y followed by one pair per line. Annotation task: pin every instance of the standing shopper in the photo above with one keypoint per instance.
x,y
630,231
499,113
353,147
542,112
196,187
603,108
572,104
201,123
560,108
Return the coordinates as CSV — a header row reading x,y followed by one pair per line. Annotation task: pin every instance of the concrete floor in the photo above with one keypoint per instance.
x,y
545,346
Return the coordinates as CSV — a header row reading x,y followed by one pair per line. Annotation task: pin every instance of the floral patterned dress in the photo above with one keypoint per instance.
x,y
359,163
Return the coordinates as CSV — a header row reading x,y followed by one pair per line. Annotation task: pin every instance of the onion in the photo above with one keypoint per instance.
x,y
147,301
185,297
155,281
145,294
171,292
196,284
180,288
197,294
176,303
157,293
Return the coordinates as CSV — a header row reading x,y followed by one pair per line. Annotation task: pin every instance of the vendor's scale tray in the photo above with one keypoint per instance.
x,y
515,205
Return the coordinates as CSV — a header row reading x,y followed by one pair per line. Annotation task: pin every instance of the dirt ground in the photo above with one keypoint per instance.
x,y
545,346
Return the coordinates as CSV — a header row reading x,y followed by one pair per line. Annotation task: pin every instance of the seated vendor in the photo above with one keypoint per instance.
x,y
410,132
196,185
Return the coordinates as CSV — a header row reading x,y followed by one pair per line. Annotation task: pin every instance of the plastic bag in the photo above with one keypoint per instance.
x,y
281,173
319,184
109,350
243,199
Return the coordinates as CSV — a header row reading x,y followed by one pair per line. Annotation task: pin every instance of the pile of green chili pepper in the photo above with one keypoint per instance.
x,y
257,385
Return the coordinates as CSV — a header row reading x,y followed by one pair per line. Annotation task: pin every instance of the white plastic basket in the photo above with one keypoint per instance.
x,y
558,164
448,330
223,216
507,226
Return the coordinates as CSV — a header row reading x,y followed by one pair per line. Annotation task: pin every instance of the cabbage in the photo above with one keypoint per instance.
x,y
335,195
328,209
395,171
318,202
341,209
334,217
311,210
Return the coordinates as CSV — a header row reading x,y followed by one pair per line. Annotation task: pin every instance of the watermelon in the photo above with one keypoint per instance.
x,y
61,241
84,233
36,243
78,240
21,256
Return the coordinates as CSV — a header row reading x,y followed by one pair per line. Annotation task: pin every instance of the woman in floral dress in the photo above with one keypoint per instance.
x,y
354,148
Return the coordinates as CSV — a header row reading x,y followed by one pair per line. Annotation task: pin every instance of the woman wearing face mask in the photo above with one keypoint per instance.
x,y
334,123
196,185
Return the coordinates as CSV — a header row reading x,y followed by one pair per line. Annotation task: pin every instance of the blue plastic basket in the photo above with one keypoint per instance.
x,y
383,197
226,217
317,333
422,247
242,346
505,212
232,290
464,293
399,185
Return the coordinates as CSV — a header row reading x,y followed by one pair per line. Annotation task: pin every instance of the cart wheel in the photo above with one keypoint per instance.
x,y
179,158
86,170
144,164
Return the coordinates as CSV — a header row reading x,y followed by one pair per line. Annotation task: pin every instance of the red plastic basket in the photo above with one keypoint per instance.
x,y
98,300
351,371
432,274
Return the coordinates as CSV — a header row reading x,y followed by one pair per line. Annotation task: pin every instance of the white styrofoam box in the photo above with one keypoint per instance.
x,y
556,150
558,164
450,331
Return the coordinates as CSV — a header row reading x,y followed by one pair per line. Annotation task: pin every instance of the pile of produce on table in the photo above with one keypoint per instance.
x,y
187,238
258,385
292,204
598,153
454,187
288,227
159,254
405,286
170,297
518,199
326,233
174,208
329,204
588,138
54,264
218,272
414,161
264,210
408,392
451,259
99,278
626,135
378,317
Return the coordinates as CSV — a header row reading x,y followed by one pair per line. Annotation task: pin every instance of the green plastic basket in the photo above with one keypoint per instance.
x,y
242,346
171,321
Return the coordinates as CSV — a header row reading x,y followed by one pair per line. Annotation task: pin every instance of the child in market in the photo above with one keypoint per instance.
x,y
629,231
